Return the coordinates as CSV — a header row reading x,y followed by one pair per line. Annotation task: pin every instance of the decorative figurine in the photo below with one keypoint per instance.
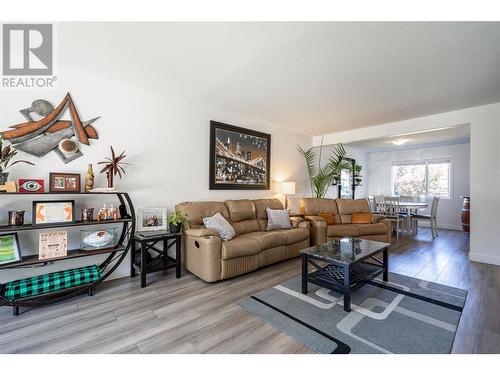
x,y
103,213
113,166
89,179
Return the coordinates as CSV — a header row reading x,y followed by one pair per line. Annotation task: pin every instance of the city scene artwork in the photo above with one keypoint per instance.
x,y
239,158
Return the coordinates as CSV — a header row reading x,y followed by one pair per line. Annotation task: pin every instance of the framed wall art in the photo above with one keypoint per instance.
x,y
53,245
64,182
10,251
239,158
31,185
53,212
152,219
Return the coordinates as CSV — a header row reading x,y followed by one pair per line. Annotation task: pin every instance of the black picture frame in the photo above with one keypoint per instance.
x,y
17,248
65,190
54,224
213,184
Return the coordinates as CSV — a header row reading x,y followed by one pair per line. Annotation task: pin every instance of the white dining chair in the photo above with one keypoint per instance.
x,y
393,213
432,218
372,204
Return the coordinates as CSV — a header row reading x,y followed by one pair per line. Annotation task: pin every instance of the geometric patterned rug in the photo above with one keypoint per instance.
x,y
404,315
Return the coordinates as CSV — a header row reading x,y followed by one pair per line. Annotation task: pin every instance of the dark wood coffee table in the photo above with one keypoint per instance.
x,y
344,265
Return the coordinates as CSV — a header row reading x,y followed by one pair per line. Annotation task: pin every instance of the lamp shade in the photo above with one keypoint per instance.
x,y
287,187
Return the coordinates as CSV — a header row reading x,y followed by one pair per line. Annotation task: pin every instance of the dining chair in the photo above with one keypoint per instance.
x,y
432,218
380,203
393,213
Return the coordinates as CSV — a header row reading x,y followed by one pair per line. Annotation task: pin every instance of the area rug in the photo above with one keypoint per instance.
x,y
404,315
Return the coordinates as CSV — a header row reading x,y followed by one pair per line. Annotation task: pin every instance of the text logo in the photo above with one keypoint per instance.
x,y
27,50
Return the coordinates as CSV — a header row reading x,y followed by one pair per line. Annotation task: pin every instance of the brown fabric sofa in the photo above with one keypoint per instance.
x,y
212,259
342,210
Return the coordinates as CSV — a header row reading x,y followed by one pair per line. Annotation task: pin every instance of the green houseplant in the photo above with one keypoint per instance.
x,y
357,174
322,176
175,221
6,155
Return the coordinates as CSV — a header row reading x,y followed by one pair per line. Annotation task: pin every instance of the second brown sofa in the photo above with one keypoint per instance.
x,y
342,210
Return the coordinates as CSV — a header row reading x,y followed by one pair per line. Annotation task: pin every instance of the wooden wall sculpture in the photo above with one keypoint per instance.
x,y
39,137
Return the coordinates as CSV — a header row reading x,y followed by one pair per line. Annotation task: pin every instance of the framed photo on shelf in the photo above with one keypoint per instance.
x,y
150,219
53,212
10,252
53,245
31,185
239,158
64,182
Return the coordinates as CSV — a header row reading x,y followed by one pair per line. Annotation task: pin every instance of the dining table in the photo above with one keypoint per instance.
x,y
411,208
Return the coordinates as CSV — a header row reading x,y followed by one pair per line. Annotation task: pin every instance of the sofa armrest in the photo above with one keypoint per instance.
x,y
201,232
318,229
203,253
299,222
377,218
388,224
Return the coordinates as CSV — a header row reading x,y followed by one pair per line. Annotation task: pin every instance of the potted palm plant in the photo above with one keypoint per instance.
x,y
6,155
357,174
322,176
175,221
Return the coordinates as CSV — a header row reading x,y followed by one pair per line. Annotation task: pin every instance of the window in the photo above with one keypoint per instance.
x,y
426,178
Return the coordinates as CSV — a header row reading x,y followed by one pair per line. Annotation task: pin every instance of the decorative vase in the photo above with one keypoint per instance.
x,y
89,179
4,177
174,228
109,176
87,214
16,218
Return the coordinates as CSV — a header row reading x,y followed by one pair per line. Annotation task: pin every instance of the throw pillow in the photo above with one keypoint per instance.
x,y
278,219
220,225
329,218
361,218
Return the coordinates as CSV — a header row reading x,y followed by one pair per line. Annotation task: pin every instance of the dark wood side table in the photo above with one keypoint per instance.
x,y
163,261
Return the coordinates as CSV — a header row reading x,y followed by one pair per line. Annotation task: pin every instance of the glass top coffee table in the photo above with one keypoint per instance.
x,y
344,265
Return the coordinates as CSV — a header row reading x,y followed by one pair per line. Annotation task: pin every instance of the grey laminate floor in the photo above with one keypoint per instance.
x,y
188,315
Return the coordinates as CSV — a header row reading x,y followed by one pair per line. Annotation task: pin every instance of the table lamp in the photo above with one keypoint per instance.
x,y
287,188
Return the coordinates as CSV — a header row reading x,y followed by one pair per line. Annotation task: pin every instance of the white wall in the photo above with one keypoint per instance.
x,y
380,164
166,137
484,172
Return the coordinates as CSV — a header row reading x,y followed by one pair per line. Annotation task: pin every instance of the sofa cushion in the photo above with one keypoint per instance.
x,y
278,219
246,226
219,224
329,218
260,207
347,207
314,206
364,218
196,211
369,229
240,246
296,235
271,239
344,230
241,209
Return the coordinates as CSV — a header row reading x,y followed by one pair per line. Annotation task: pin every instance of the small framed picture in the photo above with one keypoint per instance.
x,y
64,182
53,245
53,212
152,219
10,251
31,185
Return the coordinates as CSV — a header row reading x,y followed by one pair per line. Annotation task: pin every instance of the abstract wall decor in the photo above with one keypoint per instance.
x,y
239,158
46,131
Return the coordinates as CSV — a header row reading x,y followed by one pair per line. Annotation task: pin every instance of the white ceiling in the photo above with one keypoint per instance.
x,y
437,137
314,78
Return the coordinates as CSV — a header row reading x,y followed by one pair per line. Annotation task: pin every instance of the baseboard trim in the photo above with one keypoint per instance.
x,y
484,258
441,226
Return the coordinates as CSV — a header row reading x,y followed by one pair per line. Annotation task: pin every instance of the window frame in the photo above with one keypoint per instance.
x,y
426,163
